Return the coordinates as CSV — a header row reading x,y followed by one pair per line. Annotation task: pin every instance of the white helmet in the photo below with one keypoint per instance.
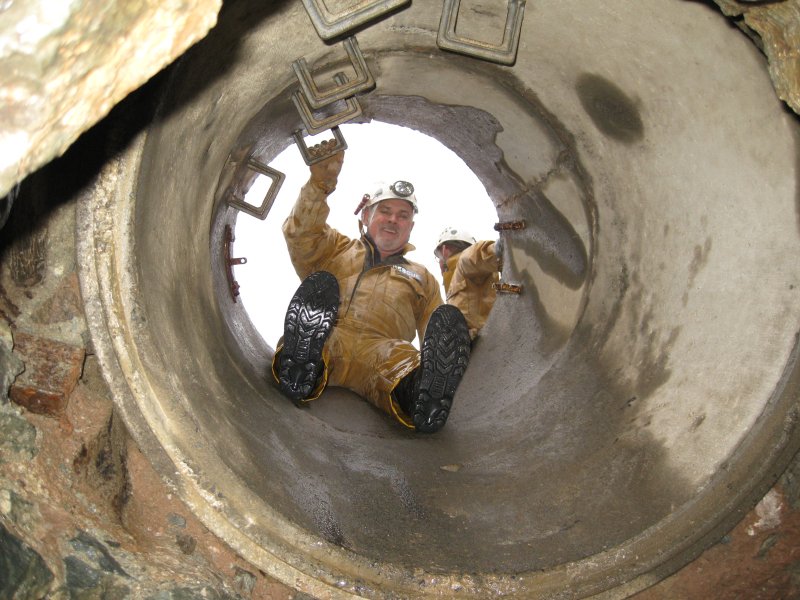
x,y
452,234
400,190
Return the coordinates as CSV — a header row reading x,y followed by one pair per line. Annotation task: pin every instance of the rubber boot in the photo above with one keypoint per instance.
x,y
309,320
406,392
443,361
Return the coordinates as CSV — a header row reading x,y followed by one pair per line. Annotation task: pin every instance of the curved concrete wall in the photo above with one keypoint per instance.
x,y
615,417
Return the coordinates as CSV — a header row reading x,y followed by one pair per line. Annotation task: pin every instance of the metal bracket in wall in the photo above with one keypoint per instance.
x,y
230,262
250,181
310,158
507,288
509,225
504,53
329,24
317,98
314,125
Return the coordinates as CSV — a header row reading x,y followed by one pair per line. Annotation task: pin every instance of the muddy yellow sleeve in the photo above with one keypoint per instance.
x,y
310,240
478,261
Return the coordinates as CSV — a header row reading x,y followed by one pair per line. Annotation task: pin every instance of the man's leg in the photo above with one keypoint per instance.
x,y
426,395
309,320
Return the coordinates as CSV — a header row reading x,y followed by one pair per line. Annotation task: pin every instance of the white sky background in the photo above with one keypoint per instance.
x,y
448,195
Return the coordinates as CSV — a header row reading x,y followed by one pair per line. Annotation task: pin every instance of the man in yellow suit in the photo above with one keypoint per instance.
x,y
360,305
469,268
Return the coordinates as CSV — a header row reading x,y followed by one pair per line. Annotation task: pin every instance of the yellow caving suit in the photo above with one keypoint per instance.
x,y
382,305
468,283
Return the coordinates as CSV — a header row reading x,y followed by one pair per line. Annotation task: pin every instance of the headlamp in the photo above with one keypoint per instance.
x,y
403,189
400,189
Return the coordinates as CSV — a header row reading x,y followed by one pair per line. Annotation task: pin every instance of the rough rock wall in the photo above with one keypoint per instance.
x,y
65,63
82,512
775,28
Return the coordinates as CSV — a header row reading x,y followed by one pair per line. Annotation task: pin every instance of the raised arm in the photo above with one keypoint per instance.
x,y
309,239
479,261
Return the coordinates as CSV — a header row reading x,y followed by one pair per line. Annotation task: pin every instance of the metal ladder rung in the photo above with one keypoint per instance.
x,y
507,288
504,53
230,262
313,125
329,25
261,211
341,144
317,98
510,225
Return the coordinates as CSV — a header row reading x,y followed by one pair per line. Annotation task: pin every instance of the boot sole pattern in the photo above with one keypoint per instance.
x,y
444,359
309,320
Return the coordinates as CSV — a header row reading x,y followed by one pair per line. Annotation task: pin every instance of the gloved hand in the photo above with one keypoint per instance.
x,y
499,248
325,174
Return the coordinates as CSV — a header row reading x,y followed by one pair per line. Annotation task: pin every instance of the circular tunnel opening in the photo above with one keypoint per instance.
x,y
451,196
642,383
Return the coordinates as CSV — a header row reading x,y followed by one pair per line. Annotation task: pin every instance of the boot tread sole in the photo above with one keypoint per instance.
x,y
444,359
309,320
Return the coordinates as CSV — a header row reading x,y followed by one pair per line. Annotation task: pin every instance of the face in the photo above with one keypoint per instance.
x,y
389,225
443,253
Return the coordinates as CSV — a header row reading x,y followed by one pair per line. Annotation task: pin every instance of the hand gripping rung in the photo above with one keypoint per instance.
x,y
341,144
504,53
330,25
313,125
317,98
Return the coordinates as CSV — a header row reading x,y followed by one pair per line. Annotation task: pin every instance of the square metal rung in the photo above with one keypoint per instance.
x,y
318,98
504,53
330,25
255,168
352,109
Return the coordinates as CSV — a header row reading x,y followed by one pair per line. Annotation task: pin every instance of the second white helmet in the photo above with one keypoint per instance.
x,y
453,234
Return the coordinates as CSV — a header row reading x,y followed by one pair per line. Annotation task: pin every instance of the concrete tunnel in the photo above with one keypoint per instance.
x,y
617,416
